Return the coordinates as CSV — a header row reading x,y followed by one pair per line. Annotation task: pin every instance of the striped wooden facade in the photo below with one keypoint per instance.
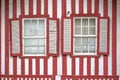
x,y
60,67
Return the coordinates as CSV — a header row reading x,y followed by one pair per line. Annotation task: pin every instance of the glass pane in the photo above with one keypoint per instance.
x,y
41,30
78,30
85,30
92,49
84,49
34,25
77,22
92,41
27,28
92,31
84,41
77,41
92,22
78,49
85,22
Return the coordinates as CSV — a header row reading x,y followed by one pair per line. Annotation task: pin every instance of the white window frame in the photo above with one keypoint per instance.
x,y
74,53
33,37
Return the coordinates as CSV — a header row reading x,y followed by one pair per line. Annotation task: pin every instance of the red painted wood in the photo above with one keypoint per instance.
x,y
89,6
114,34
22,66
30,7
0,37
15,65
45,7
45,66
89,66
22,7
96,7
54,9
80,6
73,6
30,66
105,65
64,65
54,65
6,37
38,7
37,66
96,66
105,8
81,66
63,8
14,8
73,66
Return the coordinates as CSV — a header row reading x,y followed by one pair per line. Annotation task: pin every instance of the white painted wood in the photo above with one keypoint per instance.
x,y
26,66
59,8
42,6
18,66
77,67
101,65
84,66
93,6
26,2
18,8
33,66
77,6
68,7
69,65
41,66
3,36
92,66
84,6
101,7
59,65
50,66
11,65
50,8
10,8
34,7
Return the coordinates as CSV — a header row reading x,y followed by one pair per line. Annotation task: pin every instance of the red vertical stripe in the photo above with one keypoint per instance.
x,y
30,7
81,66
22,7
0,37
54,65
64,65
37,66
73,6
63,8
46,7
73,66
30,66
96,6
89,6
22,66
54,8
80,6
45,66
96,66
38,7
14,8
6,37
15,65
114,21
88,66
105,13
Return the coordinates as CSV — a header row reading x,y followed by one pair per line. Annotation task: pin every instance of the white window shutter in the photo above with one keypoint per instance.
x,y
104,36
53,36
15,37
67,35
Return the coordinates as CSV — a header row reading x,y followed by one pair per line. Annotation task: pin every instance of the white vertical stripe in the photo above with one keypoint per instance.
x,y
3,37
92,66
34,7
26,66
101,7
110,54
50,10
26,4
18,8
118,38
85,66
42,6
59,8
41,66
10,65
69,68
59,65
10,9
76,6
84,6
33,66
68,7
50,65
77,66
93,6
101,65
18,66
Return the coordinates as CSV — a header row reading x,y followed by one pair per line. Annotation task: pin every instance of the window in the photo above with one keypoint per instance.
x,y
85,35
34,36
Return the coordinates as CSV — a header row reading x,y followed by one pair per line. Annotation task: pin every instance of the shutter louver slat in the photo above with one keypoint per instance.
x,y
103,36
15,33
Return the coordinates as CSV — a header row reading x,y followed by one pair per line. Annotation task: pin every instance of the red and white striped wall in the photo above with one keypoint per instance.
x,y
61,65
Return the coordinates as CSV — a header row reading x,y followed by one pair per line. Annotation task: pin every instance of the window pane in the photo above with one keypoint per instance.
x,y
77,41
84,30
85,22
78,30
78,49
77,22
92,49
41,30
84,49
84,41
92,22
27,28
92,41
92,30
